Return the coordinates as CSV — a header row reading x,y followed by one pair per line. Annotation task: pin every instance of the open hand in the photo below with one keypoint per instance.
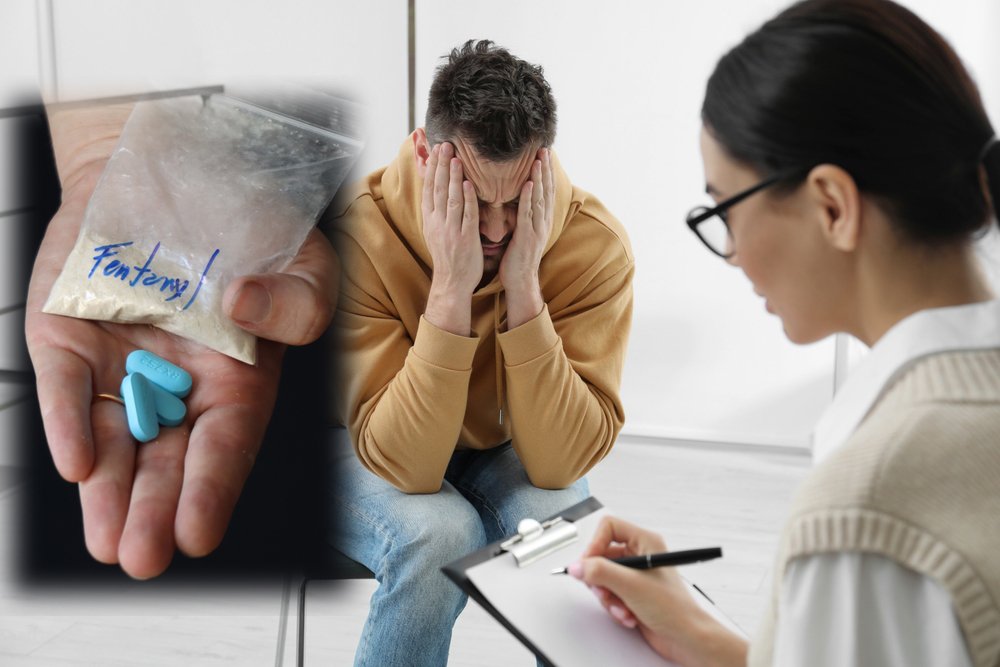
x,y
141,502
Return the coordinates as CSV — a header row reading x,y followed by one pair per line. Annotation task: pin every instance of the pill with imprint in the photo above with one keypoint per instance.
x,y
159,371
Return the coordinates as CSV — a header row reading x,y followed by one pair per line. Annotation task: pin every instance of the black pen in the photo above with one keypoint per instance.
x,y
670,558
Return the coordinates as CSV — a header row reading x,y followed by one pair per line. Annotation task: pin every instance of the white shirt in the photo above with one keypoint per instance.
x,y
863,609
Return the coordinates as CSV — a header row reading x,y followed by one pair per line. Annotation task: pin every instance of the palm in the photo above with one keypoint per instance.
x,y
140,502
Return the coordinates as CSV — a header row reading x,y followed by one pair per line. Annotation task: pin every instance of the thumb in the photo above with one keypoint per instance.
x,y
294,306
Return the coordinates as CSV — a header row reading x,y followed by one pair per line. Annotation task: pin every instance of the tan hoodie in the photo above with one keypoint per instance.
x,y
410,393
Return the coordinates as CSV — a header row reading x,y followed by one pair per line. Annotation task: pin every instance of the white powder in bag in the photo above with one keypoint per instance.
x,y
122,280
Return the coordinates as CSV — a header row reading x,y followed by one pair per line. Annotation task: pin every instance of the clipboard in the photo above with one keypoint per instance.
x,y
555,617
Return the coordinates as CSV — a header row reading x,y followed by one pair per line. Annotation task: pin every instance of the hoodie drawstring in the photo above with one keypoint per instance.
x,y
497,354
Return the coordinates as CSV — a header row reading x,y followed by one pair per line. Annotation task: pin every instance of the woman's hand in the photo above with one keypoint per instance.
x,y
655,601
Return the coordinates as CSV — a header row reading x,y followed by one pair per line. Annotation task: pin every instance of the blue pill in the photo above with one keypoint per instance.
x,y
140,407
159,371
170,410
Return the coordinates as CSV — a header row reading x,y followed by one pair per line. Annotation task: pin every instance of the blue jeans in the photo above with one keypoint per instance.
x,y
405,539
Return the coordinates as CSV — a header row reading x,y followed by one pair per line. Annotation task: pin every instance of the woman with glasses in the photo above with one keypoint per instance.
x,y
853,166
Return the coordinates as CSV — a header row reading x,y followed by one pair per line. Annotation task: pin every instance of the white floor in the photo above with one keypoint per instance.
x,y
696,495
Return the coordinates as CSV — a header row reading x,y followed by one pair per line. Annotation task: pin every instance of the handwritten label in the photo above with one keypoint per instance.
x,y
108,264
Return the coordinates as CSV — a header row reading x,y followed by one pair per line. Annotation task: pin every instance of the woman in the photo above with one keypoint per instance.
x,y
853,165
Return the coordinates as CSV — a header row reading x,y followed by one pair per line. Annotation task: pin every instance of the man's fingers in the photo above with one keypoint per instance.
x,y
524,205
222,450
442,177
470,214
549,181
64,384
147,544
538,194
427,198
292,307
456,195
104,495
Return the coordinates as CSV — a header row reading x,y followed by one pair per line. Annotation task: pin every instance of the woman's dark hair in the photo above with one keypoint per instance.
x,y
492,99
868,86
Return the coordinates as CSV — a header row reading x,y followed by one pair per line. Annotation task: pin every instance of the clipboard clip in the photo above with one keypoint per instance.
x,y
535,540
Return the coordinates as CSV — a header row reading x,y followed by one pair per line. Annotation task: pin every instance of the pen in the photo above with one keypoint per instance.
x,y
670,558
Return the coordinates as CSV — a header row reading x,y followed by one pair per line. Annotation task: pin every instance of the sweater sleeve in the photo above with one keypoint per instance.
x,y
853,608
563,371
402,398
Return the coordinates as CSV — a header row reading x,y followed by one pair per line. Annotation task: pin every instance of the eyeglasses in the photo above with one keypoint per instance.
x,y
711,224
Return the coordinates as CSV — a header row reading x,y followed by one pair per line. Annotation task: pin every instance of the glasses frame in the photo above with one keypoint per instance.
x,y
700,214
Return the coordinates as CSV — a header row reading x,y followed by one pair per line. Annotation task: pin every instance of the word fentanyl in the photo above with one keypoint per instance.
x,y
174,287
149,282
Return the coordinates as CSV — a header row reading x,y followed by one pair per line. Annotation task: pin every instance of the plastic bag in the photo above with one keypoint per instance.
x,y
199,191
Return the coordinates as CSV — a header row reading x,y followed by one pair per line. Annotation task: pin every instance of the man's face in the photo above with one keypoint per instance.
x,y
498,188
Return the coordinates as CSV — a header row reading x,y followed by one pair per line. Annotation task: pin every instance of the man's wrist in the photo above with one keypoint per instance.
x,y
449,307
524,301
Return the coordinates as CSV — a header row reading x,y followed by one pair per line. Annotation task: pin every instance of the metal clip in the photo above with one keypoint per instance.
x,y
535,540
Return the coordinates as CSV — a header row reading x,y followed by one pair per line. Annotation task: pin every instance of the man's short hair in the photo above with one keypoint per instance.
x,y
491,99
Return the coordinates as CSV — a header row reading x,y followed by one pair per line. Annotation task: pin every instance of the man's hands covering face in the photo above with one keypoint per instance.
x,y
451,229
519,266
451,222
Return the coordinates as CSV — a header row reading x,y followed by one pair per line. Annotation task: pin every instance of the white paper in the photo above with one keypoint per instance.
x,y
559,615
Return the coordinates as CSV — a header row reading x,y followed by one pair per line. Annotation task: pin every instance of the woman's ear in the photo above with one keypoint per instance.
x,y
421,150
838,205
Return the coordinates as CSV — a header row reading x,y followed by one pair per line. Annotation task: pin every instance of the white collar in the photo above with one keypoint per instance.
x,y
970,327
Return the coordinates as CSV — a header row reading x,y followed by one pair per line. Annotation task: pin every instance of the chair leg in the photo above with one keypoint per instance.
x,y
286,592
301,652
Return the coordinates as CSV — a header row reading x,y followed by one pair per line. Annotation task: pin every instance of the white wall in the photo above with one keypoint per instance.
x,y
970,27
705,360
112,47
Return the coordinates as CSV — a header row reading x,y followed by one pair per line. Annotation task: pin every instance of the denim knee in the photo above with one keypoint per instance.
x,y
435,533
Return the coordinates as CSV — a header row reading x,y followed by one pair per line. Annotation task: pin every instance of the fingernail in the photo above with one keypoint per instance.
x,y
622,617
575,570
252,304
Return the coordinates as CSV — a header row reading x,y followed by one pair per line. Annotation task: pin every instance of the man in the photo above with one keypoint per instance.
x,y
483,315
